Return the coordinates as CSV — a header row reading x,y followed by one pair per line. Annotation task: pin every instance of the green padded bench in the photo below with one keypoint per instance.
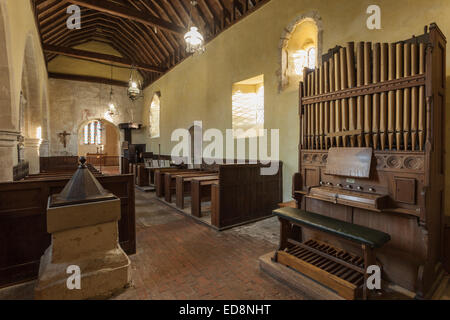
x,y
291,251
349,231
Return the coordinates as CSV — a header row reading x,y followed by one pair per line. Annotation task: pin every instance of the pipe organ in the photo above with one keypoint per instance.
x,y
380,107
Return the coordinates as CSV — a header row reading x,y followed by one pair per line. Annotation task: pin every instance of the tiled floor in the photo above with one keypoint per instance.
x,y
178,258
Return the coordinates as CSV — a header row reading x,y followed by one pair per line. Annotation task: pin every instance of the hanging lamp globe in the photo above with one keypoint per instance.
x,y
194,41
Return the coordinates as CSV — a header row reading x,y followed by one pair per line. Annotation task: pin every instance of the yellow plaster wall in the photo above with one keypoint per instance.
x,y
200,87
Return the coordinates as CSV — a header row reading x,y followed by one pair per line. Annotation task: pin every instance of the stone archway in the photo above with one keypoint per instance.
x,y
312,16
110,141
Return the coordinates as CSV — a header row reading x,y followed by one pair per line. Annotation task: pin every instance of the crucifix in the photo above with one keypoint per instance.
x,y
62,136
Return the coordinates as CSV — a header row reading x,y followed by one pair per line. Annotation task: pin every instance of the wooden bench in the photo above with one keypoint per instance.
x,y
160,178
142,175
170,181
333,267
184,187
200,191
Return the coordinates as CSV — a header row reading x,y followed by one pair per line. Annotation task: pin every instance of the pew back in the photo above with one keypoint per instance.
x,y
243,194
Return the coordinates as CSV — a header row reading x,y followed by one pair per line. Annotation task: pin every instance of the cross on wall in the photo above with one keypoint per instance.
x,y
63,136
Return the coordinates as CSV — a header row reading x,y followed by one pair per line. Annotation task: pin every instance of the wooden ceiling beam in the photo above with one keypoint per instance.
x,y
127,33
74,77
168,46
145,39
99,57
55,35
111,34
129,13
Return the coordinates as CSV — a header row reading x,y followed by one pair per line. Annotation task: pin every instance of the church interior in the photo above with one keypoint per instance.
x,y
224,150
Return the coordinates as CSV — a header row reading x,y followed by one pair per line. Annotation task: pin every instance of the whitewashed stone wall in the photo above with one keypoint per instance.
x,y
72,103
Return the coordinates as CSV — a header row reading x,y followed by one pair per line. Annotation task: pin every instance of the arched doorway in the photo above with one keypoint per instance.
x,y
98,141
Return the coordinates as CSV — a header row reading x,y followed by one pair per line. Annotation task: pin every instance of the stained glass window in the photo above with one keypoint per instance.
x,y
93,133
99,133
86,134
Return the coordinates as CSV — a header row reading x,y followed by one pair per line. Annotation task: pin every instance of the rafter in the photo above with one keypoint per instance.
x,y
73,77
99,57
128,13
144,31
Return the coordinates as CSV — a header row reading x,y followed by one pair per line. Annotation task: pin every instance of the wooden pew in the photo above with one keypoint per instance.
x,y
160,178
23,229
68,173
58,163
170,181
200,191
142,175
124,165
162,162
184,187
243,195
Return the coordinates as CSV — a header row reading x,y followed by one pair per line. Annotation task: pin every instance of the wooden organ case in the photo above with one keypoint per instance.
x,y
381,105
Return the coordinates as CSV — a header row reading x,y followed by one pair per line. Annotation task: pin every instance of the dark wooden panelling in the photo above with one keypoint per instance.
x,y
58,163
21,170
245,194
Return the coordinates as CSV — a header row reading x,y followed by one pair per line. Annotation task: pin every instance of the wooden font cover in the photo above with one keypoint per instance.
x,y
349,162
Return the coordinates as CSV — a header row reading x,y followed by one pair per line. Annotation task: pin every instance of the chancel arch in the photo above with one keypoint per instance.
x,y
300,47
98,138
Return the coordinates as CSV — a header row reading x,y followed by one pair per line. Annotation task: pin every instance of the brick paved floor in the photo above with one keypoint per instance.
x,y
178,258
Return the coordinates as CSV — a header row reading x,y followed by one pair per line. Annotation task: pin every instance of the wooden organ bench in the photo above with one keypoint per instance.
x,y
337,269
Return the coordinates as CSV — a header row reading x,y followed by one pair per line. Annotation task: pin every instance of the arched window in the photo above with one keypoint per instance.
x,y
93,132
248,107
300,48
154,116
304,58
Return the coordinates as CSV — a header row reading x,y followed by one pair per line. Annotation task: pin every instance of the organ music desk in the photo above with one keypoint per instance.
x,y
371,152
